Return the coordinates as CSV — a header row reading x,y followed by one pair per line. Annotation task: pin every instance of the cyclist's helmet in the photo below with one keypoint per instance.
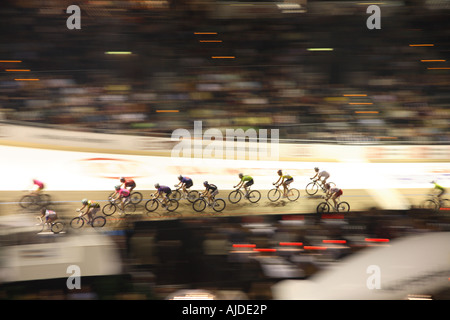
x,y
433,182
280,172
122,179
205,183
117,187
84,201
156,185
327,186
316,168
180,177
241,175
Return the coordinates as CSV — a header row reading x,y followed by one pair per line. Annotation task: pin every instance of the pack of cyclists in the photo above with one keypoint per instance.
x,y
125,188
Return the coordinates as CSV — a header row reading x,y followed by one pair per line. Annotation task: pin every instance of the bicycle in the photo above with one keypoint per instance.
x,y
78,222
191,195
275,193
110,208
135,197
435,204
200,204
56,226
153,204
236,195
324,207
313,187
34,201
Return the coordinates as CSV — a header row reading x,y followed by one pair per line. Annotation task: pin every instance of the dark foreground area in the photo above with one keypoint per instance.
x,y
236,257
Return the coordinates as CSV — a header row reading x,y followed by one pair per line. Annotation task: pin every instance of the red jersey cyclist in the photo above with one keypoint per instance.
x,y
128,183
122,195
333,193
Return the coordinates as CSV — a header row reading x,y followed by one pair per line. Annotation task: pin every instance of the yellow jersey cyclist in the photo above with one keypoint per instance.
x,y
439,189
246,182
92,208
284,180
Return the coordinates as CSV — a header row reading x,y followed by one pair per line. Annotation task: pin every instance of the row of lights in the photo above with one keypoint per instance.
x,y
300,244
18,70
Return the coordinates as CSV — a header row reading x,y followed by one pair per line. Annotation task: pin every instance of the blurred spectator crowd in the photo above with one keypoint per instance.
x,y
167,77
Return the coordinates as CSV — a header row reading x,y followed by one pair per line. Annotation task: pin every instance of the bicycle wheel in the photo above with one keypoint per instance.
x,y
57,227
312,188
219,205
175,195
323,207
199,205
430,205
235,196
173,205
28,201
293,194
98,222
343,207
130,208
274,194
151,205
193,195
136,197
254,196
77,222
109,209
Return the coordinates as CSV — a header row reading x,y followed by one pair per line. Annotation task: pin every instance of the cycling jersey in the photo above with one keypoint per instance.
x,y
49,213
324,174
337,191
93,204
186,180
287,176
123,192
437,186
246,178
129,183
164,189
39,184
211,187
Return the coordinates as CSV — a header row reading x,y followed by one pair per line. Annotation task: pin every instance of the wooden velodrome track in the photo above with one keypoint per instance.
x,y
65,203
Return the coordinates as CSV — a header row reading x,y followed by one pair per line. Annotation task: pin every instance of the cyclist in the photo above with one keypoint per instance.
x,y
49,215
440,189
122,194
333,193
246,182
163,191
185,183
284,180
211,191
38,186
322,174
92,209
127,183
